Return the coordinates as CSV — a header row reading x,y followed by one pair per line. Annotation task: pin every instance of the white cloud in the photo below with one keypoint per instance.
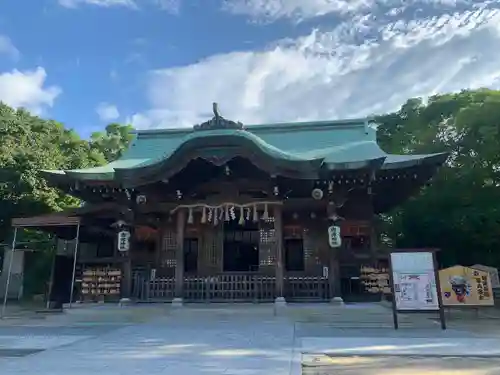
x,y
99,3
8,48
366,64
27,89
113,75
107,112
299,10
172,6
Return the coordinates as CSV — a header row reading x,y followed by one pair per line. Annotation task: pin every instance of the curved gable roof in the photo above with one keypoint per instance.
x,y
333,145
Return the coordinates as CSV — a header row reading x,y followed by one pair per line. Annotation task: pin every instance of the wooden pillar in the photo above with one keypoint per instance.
x,y
127,276
126,286
334,272
334,265
373,241
278,227
372,221
159,246
179,254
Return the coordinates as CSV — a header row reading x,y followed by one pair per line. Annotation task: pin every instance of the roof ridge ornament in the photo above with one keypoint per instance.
x,y
218,122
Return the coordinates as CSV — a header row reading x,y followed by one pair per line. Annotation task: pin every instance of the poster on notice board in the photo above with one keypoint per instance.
x,y
414,280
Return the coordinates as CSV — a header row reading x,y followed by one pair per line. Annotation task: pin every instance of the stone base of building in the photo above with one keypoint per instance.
x,y
124,302
337,301
280,302
177,302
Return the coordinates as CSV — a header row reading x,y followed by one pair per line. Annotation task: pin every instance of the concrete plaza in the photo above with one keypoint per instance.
x,y
244,339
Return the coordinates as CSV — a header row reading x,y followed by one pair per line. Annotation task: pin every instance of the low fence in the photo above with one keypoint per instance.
x,y
231,287
306,288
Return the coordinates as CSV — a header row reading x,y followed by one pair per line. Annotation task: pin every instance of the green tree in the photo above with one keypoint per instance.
x,y
113,141
459,212
29,144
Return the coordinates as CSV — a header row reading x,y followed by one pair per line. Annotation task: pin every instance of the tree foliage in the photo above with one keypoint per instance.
x,y
112,142
460,211
29,144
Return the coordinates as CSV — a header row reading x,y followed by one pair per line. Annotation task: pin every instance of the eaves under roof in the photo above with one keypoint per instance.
x,y
333,145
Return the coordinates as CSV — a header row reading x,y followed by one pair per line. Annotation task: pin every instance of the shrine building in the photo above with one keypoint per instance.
x,y
227,212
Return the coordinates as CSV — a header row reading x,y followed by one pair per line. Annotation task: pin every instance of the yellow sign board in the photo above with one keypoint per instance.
x,y
464,286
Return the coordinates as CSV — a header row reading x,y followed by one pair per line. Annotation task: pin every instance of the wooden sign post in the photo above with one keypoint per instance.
x,y
415,283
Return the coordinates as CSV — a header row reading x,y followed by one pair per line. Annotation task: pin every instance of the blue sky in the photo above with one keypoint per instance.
x,y
161,63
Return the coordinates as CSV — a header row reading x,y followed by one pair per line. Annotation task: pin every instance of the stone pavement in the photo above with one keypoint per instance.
x,y
384,365
440,346
217,341
230,339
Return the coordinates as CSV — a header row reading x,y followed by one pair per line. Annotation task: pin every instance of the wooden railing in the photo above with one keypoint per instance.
x,y
231,287
306,288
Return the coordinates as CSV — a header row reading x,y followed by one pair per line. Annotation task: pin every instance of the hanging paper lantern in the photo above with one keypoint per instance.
x,y
210,215
242,218
204,215
248,214
226,213
190,216
216,218
232,214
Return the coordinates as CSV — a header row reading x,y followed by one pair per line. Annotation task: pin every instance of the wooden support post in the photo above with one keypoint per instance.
x,y
126,285
9,272
372,221
127,277
159,246
126,265
373,242
278,227
179,257
333,256
334,272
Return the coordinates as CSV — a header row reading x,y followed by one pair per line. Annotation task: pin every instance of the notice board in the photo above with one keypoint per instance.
x,y
414,281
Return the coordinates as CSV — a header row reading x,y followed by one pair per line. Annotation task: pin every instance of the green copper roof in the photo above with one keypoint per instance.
x,y
349,144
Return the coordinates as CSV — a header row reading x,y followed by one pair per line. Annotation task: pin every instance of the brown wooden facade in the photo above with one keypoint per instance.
x,y
155,267
295,227
158,272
